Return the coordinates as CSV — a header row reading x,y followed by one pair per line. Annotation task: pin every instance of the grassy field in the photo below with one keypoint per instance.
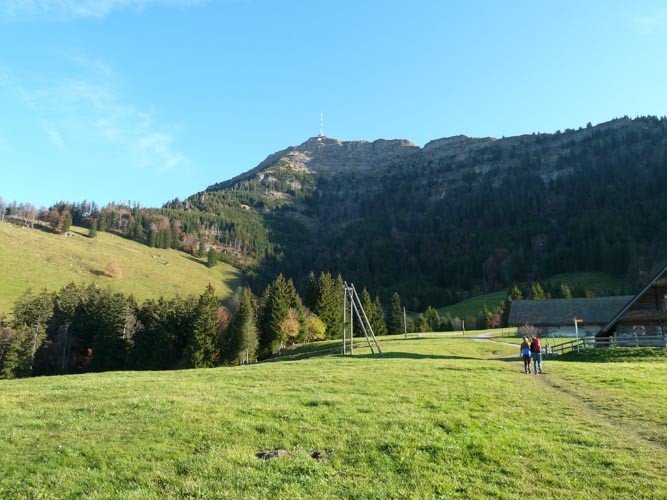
x,y
474,305
37,259
432,417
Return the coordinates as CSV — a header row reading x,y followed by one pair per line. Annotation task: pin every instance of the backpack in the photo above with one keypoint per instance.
x,y
535,345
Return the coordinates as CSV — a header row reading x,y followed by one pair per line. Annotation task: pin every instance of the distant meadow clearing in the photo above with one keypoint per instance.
x,y
36,259
432,417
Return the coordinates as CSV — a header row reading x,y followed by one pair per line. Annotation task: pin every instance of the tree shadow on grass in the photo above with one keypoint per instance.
x,y
195,259
411,355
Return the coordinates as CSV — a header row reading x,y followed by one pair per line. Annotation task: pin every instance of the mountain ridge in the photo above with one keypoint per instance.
x,y
322,154
457,217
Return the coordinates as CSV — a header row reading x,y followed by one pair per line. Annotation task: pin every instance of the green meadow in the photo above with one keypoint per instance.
x,y
30,258
450,417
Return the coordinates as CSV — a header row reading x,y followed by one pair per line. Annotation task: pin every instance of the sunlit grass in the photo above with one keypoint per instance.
x,y
432,417
30,258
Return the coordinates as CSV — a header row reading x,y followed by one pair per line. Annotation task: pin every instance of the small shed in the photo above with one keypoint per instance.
x,y
555,317
643,320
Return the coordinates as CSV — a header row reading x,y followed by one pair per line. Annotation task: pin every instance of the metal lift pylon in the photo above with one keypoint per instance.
x,y
351,299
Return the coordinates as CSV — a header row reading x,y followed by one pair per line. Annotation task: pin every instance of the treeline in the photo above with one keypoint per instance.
x,y
81,328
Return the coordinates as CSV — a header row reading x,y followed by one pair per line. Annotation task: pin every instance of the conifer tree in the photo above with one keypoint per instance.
x,y
513,294
275,307
537,292
329,305
67,222
166,239
202,350
374,313
65,305
31,316
242,341
395,320
212,258
156,346
565,291
111,314
367,305
379,324
311,295
92,232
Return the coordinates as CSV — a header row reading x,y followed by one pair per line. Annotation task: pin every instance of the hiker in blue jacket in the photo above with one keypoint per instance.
x,y
525,353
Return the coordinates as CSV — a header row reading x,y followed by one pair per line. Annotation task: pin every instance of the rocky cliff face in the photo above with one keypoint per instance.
x,y
328,156
325,155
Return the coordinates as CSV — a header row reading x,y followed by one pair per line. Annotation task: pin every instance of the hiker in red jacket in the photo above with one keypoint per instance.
x,y
536,354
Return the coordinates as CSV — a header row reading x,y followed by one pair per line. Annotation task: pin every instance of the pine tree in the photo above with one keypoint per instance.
x,y
32,314
311,295
379,324
374,313
92,232
65,305
212,258
395,320
483,320
565,291
110,315
329,305
166,239
537,292
275,308
152,238
367,305
431,319
242,339
67,222
202,350
513,294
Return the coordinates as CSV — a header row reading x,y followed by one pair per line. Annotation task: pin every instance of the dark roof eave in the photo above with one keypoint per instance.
x,y
605,329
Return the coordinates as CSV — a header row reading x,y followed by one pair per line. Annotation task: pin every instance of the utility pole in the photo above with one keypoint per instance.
x,y
576,329
405,324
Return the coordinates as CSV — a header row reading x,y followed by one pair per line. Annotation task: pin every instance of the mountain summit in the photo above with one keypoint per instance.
x,y
325,155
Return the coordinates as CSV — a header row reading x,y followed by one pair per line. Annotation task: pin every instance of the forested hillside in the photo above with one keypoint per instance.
x,y
438,224
461,215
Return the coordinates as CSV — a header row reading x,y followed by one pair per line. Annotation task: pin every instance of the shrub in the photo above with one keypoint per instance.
x,y
526,330
112,270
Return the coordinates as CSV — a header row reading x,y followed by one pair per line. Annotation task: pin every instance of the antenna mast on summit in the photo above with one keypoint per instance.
x,y
321,125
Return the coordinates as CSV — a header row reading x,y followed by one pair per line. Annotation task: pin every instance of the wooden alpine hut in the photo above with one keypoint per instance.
x,y
642,321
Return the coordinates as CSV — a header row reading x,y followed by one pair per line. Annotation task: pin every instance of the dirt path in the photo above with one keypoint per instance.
x,y
486,337
619,424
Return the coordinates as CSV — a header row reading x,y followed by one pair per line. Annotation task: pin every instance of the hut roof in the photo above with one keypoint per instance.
x,y
612,321
556,312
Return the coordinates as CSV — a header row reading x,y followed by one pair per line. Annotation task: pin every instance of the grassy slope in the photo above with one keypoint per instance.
x,y
591,281
435,417
33,258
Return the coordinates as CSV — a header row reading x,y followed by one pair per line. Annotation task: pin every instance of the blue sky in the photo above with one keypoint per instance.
x,y
147,100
